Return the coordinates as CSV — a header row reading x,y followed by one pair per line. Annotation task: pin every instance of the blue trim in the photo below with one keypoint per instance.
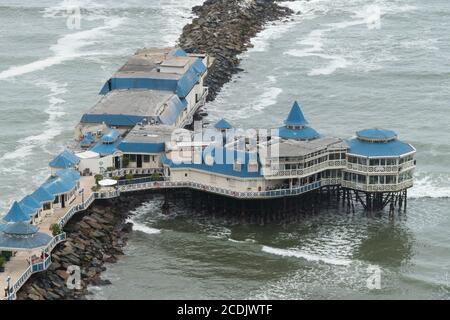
x,y
113,119
174,108
224,169
306,133
136,147
140,83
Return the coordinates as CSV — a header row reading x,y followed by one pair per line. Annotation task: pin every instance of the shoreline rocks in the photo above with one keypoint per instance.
x,y
223,29
94,237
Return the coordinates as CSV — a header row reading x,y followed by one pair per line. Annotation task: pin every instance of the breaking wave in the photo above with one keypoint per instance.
x,y
307,256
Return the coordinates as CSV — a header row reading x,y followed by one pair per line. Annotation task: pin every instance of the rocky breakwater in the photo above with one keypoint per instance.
x,y
223,29
94,237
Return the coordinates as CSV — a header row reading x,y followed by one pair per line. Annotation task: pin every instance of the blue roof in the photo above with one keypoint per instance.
x,y
174,108
181,86
69,174
223,124
225,168
140,147
16,213
187,82
65,159
305,133
20,228
376,135
140,83
393,148
58,185
178,52
37,240
28,210
295,117
110,137
43,195
31,202
87,140
122,120
105,149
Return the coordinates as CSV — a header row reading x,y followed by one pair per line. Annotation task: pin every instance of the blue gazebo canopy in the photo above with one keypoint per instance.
x,y
87,140
64,160
111,136
22,236
16,213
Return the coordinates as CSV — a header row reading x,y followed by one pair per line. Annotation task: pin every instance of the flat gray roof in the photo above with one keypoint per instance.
x,y
145,63
141,102
149,134
294,148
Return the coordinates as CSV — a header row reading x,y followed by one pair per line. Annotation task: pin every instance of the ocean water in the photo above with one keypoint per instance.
x,y
351,65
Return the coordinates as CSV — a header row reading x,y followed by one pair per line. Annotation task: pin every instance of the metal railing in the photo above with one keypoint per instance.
x,y
394,169
35,267
332,164
135,171
155,185
378,187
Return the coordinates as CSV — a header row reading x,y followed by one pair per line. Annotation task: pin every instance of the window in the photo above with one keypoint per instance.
x,y
185,174
237,166
252,167
132,157
146,158
47,206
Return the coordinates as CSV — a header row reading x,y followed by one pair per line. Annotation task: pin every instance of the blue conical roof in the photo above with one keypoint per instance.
x,y
223,124
295,117
20,228
16,213
64,160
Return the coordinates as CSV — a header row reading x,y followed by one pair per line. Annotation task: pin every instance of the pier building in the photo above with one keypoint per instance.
x,y
137,134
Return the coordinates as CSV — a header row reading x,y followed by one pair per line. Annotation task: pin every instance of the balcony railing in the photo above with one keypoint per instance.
x,y
331,164
378,187
395,169
139,185
134,171
35,267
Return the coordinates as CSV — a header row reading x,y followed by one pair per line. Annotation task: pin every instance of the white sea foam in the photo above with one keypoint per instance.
x,y
52,126
143,228
426,187
307,256
67,48
359,15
